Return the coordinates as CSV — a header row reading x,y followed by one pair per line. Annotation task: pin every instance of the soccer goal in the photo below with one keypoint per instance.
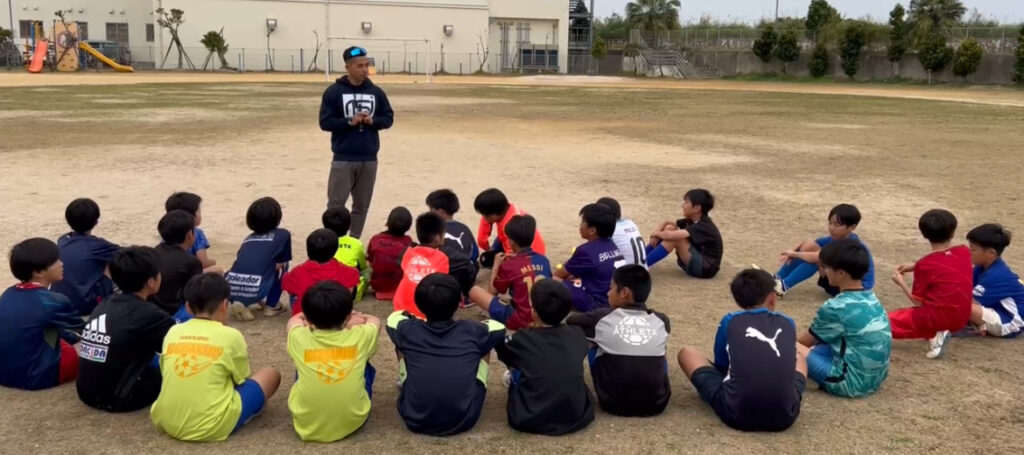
x,y
387,55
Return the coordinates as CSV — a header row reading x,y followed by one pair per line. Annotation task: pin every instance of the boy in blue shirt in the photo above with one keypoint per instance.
x,y
191,203
36,340
588,273
757,379
262,261
998,292
85,258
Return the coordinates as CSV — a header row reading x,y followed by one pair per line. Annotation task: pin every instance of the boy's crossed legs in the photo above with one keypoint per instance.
x,y
688,258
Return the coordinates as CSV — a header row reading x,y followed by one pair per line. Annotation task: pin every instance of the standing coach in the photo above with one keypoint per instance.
x,y
354,111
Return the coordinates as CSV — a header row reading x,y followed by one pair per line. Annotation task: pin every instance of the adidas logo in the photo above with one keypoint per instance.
x,y
96,331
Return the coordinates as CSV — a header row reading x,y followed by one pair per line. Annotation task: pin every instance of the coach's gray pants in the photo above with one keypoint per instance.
x,y
356,178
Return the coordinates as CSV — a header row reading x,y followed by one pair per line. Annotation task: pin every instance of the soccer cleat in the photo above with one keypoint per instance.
x,y
506,378
938,345
240,312
272,311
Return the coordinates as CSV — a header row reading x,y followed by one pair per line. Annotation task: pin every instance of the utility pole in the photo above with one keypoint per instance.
x,y
776,10
10,10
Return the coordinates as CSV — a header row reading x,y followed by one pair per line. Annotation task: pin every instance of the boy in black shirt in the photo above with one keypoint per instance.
x,y
177,266
757,379
694,238
117,371
547,394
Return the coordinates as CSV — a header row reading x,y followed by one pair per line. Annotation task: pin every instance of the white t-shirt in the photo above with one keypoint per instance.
x,y
631,242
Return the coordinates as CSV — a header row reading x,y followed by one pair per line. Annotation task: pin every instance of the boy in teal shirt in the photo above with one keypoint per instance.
x,y
350,249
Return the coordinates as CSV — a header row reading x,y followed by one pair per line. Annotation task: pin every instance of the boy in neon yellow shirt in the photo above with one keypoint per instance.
x,y
350,249
331,347
207,392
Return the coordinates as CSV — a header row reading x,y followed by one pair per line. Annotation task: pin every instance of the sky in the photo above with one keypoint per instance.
x,y
1011,11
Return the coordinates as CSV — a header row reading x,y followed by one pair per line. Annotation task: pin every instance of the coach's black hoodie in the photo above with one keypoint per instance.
x,y
340,103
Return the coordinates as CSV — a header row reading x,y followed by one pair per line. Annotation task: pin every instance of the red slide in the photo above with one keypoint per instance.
x,y
39,56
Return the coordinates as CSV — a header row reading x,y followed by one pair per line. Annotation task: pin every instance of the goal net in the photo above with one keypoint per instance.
x,y
387,56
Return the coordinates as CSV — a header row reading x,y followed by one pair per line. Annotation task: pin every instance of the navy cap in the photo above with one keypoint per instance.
x,y
353,52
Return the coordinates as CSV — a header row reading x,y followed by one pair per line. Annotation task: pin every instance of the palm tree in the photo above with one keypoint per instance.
x,y
653,14
935,16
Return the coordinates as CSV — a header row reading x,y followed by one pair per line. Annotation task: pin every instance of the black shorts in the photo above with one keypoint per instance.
x,y
709,383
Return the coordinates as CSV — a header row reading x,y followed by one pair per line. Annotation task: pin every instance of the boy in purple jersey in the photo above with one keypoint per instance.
x,y
588,273
515,274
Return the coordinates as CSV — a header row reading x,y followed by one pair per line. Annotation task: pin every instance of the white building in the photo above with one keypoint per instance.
x,y
520,35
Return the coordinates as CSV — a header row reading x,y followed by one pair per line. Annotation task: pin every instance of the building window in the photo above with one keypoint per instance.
x,y
83,31
26,29
150,33
117,32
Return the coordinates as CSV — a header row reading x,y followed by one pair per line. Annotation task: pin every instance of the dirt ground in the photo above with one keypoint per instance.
x,y
776,156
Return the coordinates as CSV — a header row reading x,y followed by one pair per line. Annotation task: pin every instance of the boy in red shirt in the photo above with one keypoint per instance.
x,y
495,212
942,289
385,254
321,245
420,261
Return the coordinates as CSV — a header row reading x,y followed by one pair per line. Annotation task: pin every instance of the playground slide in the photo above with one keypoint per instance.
x,y
104,59
39,56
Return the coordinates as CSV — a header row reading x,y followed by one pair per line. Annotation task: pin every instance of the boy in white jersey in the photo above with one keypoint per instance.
x,y
627,235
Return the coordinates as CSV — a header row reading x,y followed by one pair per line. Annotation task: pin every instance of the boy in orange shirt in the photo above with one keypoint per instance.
x,y
421,260
495,212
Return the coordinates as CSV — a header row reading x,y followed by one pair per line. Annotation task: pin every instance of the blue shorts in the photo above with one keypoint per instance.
x,y
182,316
819,363
499,311
252,401
696,266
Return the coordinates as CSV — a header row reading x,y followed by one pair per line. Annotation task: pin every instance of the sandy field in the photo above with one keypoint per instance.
x,y
777,156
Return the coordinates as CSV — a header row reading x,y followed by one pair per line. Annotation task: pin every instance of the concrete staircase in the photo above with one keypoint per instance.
x,y
669,62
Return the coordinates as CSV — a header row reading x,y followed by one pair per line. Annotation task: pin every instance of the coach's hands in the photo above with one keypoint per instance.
x,y
359,119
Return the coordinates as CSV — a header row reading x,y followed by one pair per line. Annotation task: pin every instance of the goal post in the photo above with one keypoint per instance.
x,y
389,55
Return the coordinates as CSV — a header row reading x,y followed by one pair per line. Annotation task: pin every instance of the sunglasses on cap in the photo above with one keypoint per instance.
x,y
355,52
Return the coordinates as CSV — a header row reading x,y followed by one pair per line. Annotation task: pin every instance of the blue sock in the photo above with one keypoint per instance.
x,y
647,250
656,255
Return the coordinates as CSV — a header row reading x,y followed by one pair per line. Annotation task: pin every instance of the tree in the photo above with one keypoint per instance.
x,y
316,52
967,58
483,49
613,27
897,37
818,64
8,51
597,52
850,45
215,43
632,50
788,49
819,15
934,54
653,14
764,45
930,17
1018,66
172,20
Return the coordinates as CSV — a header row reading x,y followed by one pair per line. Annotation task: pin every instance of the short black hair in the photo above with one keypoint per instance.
x,y
399,221
337,219
443,200
491,202
82,214
990,235
429,226
264,215
521,229
551,300
184,200
321,245
438,296
601,218
327,304
33,255
848,255
701,197
175,225
612,204
636,278
131,267
203,293
846,214
937,225
752,287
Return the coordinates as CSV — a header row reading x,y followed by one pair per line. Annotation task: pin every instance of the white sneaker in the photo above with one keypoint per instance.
x,y
272,311
780,287
938,345
240,312
506,378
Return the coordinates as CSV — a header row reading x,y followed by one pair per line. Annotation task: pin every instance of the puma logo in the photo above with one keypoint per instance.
x,y
457,239
754,333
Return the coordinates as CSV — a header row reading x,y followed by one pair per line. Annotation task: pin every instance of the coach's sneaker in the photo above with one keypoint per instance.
x,y
240,312
938,345
271,311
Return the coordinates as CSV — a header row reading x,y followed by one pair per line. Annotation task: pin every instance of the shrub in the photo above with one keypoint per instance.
x,y
967,58
764,45
850,45
818,64
788,49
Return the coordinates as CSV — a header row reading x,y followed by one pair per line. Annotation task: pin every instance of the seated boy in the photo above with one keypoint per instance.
x,y
515,274
207,392
998,291
85,258
261,262
36,340
331,347
191,202
802,263
942,287
321,245
177,266
350,249
848,344
627,236
627,347
757,379
442,362
547,394
117,368
384,254
694,238
588,273
457,235
420,261
495,211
